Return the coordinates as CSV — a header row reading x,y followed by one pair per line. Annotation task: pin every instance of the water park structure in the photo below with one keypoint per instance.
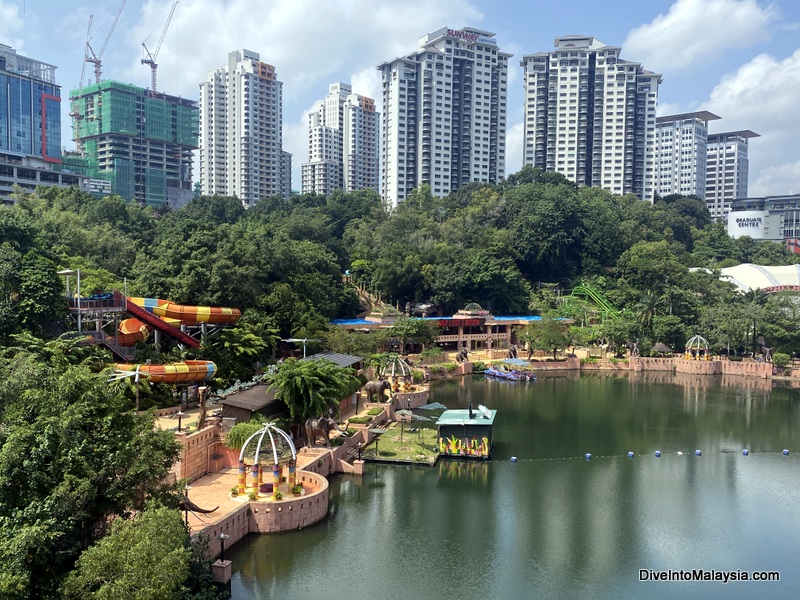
x,y
100,318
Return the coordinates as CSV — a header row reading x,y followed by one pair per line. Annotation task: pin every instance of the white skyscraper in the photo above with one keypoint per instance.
x,y
726,170
240,131
342,143
444,114
681,142
591,115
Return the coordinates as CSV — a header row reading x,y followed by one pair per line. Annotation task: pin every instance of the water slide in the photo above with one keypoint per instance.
x,y
596,297
190,315
188,370
166,317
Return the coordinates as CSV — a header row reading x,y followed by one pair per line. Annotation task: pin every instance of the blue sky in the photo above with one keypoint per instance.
x,y
737,58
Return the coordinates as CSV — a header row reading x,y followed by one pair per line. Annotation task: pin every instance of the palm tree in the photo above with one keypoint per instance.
x,y
647,308
756,300
309,388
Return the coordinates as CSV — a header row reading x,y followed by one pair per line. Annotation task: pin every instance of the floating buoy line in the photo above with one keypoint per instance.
x,y
657,454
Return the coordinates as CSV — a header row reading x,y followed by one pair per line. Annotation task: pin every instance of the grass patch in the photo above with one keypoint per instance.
x,y
374,411
400,443
360,420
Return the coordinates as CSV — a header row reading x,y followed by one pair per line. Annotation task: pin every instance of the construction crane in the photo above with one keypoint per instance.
x,y
151,58
90,56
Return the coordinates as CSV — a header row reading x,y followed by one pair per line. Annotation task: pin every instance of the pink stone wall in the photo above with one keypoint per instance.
x,y
274,516
195,454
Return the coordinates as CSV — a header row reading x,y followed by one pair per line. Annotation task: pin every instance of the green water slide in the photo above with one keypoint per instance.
x,y
586,291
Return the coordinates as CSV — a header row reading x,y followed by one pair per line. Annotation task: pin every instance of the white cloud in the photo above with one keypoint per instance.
x,y
310,43
514,141
695,30
781,179
762,96
11,25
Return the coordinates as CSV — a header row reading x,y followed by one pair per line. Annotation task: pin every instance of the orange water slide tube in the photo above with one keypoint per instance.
x,y
189,315
189,370
132,331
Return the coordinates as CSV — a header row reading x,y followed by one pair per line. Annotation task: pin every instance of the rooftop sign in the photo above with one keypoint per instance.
x,y
471,37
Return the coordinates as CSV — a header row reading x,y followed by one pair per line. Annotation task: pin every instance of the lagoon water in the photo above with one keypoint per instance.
x,y
552,524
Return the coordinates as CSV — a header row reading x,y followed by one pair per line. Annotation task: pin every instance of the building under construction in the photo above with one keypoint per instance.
x,y
133,142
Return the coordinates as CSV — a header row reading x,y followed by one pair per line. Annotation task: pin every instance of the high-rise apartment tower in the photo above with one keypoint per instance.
x,y
343,150
681,142
591,115
444,114
241,140
727,170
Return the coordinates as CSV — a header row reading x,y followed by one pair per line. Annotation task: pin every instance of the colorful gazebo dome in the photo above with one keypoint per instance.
x,y
697,348
269,445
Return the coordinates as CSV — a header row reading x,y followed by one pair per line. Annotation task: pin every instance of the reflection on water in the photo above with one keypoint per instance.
x,y
553,525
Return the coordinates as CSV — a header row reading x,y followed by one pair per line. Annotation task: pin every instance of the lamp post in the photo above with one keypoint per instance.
x,y
180,417
222,537
186,504
359,449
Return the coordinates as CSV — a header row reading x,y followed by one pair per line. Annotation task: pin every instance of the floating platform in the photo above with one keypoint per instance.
x,y
466,433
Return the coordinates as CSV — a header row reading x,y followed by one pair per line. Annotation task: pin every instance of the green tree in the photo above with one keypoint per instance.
x,y
310,387
72,458
41,296
145,557
619,331
548,335
420,331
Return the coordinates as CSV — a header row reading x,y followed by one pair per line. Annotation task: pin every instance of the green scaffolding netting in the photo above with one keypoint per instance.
x,y
155,187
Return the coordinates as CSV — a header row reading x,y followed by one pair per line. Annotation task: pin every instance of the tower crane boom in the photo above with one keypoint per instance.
x,y
151,58
90,55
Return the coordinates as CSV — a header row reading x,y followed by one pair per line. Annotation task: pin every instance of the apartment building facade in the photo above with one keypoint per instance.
x,y
241,138
444,114
343,143
727,170
681,145
591,115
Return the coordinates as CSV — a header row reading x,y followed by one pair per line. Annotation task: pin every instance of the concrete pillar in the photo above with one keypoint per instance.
x,y
221,571
242,477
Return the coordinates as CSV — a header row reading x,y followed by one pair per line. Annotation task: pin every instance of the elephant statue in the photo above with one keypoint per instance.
x,y
378,386
321,427
463,355
512,351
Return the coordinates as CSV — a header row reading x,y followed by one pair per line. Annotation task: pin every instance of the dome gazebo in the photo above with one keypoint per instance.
x,y
697,348
268,445
398,373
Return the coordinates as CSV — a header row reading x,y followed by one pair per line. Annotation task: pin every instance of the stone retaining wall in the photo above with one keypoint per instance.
x,y
273,516
196,452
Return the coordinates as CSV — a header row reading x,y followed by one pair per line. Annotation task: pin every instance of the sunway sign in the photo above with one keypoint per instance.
x,y
470,36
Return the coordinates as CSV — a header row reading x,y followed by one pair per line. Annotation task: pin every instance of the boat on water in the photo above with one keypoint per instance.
x,y
511,369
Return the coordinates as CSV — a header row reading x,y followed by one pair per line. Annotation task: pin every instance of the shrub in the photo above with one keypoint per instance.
x,y
431,354
277,495
449,367
417,376
337,441
779,359
297,489
478,367
234,491
374,411
360,420
239,433
252,496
